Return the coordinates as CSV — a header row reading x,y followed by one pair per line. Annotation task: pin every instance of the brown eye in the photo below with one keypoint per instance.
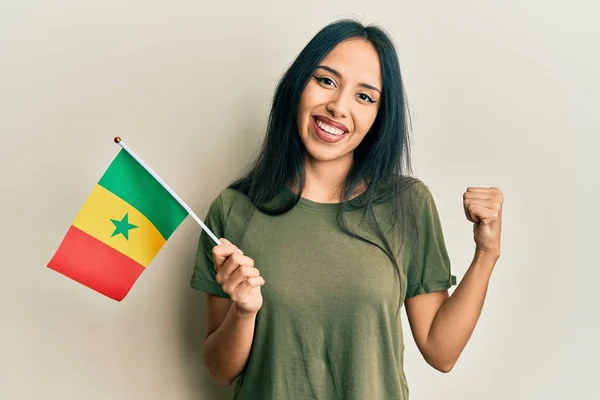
x,y
366,98
325,81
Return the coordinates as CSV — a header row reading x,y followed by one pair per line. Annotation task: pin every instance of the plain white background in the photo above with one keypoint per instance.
x,y
502,93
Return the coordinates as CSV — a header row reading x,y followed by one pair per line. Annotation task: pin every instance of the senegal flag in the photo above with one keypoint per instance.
x,y
123,224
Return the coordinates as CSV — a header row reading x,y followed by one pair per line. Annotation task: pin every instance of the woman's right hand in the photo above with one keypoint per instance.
x,y
238,277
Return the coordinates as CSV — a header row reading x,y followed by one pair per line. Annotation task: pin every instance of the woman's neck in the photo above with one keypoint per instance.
x,y
324,180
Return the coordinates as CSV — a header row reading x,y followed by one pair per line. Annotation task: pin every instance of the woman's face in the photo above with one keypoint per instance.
x,y
340,102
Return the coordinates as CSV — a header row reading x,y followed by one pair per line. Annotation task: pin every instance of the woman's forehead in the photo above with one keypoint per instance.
x,y
355,60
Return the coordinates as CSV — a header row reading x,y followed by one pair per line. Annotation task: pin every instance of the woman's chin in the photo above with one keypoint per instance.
x,y
322,155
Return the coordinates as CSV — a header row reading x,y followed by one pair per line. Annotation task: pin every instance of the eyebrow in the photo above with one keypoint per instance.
x,y
336,73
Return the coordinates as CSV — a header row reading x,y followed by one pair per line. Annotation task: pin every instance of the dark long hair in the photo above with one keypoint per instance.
x,y
381,161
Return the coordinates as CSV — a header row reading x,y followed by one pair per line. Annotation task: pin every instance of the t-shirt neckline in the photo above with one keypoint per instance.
x,y
318,206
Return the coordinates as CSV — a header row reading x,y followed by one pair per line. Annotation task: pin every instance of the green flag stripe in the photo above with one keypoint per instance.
x,y
126,178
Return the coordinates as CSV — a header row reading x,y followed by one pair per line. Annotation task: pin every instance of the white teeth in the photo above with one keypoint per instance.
x,y
329,129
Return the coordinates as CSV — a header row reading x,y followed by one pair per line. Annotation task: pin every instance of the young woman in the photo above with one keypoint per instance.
x,y
326,236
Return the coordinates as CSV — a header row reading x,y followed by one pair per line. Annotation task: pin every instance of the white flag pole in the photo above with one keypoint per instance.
x,y
168,189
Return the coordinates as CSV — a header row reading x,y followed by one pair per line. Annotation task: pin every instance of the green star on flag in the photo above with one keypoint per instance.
x,y
123,226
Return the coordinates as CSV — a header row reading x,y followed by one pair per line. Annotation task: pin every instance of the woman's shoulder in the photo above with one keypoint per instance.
x,y
408,188
413,194
227,197
414,187
228,194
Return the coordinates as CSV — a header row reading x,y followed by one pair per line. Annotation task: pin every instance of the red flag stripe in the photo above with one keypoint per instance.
x,y
92,263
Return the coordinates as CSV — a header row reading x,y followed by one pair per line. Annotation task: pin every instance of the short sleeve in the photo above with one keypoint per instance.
x,y
204,274
429,269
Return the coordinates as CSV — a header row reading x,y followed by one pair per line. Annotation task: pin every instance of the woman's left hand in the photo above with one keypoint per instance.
x,y
483,207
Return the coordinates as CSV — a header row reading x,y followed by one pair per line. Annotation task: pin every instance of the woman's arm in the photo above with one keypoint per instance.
x,y
442,325
230,321
229,335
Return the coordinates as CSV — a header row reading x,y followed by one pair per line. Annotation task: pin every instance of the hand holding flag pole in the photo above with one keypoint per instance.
x,y
126,220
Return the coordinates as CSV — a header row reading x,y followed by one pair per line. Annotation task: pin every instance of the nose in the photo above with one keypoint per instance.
x,y
338,106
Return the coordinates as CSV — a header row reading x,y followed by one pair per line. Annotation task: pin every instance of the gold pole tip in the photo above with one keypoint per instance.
x,y
117,139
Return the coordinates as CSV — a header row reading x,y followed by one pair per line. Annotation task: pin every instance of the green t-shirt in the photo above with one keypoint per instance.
x,y
329,326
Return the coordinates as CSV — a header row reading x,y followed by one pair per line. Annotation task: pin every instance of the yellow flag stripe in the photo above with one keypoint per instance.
x,y
110,219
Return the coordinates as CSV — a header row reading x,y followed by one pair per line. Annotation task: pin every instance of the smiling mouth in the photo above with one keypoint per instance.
x,y
332,130
326,132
